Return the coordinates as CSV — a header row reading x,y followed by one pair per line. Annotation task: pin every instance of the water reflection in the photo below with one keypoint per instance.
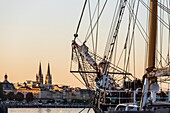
x,y
48,110
39,110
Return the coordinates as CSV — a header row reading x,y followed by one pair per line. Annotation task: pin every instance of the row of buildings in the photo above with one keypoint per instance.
x,y
47,90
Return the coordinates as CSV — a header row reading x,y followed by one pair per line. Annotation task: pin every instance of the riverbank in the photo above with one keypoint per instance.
x,y
49,110
33,105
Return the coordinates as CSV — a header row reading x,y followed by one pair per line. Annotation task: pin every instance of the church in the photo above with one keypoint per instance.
x,y
39,76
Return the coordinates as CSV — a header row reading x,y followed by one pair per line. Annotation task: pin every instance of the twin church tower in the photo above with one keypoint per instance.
x,y
39,76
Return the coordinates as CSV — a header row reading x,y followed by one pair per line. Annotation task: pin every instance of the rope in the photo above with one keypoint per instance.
x,y
161,34
115,34
97,19
128,33
97,30
161,20
113,23
146,46
168,34
132,34
76,35
91,24
163,7
86,107
86,37
145,34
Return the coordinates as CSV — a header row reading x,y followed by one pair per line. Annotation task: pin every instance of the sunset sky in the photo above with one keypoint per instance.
x,y
34,31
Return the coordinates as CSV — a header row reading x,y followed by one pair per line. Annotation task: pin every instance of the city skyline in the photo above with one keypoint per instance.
x,y
42,31
33,32
45,77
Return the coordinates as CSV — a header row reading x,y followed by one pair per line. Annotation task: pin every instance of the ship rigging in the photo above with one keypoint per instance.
x,y
116,70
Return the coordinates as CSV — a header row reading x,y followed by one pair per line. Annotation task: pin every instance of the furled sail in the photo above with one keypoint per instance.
x,y
161,72
84,51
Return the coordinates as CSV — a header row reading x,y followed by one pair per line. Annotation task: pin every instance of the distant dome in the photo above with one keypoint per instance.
x,y
6,76
7,85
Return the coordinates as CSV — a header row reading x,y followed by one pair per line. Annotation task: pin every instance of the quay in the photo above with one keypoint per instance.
x,y
46,106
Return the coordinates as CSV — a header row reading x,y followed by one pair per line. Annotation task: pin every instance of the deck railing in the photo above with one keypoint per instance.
x,y
114,97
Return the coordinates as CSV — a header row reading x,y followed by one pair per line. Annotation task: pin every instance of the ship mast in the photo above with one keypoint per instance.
x,y
151,51
152,33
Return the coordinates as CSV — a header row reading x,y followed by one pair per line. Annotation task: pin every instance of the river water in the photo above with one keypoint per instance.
x,y
48,110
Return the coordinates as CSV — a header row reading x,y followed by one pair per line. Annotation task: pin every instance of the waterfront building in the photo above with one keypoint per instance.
x,y
47,91
57,95
31,84
39,76
45,94
17,85
57,88
67,95
35,91
48,78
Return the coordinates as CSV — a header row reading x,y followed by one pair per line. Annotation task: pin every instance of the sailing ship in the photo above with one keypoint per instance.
x,y
113,76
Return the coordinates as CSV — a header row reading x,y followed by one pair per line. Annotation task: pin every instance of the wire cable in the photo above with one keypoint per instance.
x,y
78,26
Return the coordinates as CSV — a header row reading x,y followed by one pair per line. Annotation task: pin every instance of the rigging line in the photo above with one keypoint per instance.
x,y
140,25
76,35
71,59
120,57
114,18
88,110
91,24
129,26
114,28
86,107
112,65
130,18
133,3
84,67
145,34
97,18
116,44
84,77
79,80
114,37
134,63
127,37
162,21
97,31
161,33
162,6
168,34
146,44
115,34
79,67
132,34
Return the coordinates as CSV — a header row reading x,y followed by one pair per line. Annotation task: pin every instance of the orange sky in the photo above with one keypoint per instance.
x,y
34,31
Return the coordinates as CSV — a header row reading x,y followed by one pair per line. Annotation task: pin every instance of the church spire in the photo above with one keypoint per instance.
x,y
48,70
40,70
48,78
39,76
